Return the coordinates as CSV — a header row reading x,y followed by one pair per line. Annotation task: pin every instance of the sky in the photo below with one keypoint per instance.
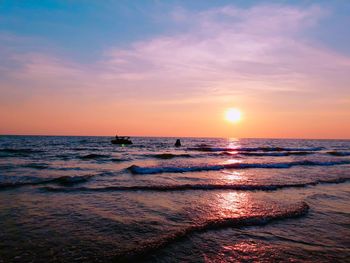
x,y
172,68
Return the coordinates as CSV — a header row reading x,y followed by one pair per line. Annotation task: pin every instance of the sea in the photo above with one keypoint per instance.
x,y
83,199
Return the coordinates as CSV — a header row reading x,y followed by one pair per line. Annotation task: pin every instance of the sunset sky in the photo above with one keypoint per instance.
x,y
173,68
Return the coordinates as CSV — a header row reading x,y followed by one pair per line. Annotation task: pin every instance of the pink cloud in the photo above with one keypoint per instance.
x,y
224,51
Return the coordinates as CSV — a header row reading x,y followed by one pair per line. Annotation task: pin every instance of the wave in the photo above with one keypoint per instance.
x,y
101,158
70,180
299,153
293,211
39,166
336,153
11,152
169,155
173,169
94,156
85,149
204,187
118,160
63,180
255,149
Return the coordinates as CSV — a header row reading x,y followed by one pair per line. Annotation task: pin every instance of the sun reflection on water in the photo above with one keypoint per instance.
x,y
244,251
233,204
233,143
232,161
233,176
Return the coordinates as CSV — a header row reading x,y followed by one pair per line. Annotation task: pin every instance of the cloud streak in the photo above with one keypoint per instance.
x,y
224,50
223,45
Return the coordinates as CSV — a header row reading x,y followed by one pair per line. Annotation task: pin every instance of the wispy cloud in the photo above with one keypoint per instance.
x,y
223,51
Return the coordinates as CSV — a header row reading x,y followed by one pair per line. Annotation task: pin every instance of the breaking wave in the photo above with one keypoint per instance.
x,y
173,169
293,211
255,149
205,187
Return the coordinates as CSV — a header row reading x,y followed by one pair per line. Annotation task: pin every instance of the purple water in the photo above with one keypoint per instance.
x,y
82,199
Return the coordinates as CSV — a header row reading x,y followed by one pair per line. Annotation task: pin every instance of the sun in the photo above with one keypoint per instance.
x,y
233,115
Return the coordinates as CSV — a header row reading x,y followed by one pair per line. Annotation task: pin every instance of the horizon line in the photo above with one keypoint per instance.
x,y
152,136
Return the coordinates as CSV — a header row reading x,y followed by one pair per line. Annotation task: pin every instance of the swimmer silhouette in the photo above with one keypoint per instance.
x,y
178,143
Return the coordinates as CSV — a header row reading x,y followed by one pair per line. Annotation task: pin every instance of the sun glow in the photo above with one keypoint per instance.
x,y
233,115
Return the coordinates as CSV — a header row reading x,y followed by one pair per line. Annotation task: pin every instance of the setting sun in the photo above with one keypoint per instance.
x,y
233,115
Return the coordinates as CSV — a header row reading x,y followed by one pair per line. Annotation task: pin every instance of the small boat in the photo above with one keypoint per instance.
x,y
121,140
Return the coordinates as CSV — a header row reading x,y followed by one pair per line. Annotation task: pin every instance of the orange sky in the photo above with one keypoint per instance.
x,y
197,119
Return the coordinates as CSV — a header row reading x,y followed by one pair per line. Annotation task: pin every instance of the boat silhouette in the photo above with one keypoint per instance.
x,y
121,140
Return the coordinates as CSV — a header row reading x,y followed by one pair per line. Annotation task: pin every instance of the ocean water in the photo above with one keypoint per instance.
x,y
82,199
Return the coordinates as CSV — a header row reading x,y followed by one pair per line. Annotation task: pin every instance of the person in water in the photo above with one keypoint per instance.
x,y
178,143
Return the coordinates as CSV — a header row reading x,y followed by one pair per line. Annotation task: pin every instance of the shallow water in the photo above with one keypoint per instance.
x,y
82,199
